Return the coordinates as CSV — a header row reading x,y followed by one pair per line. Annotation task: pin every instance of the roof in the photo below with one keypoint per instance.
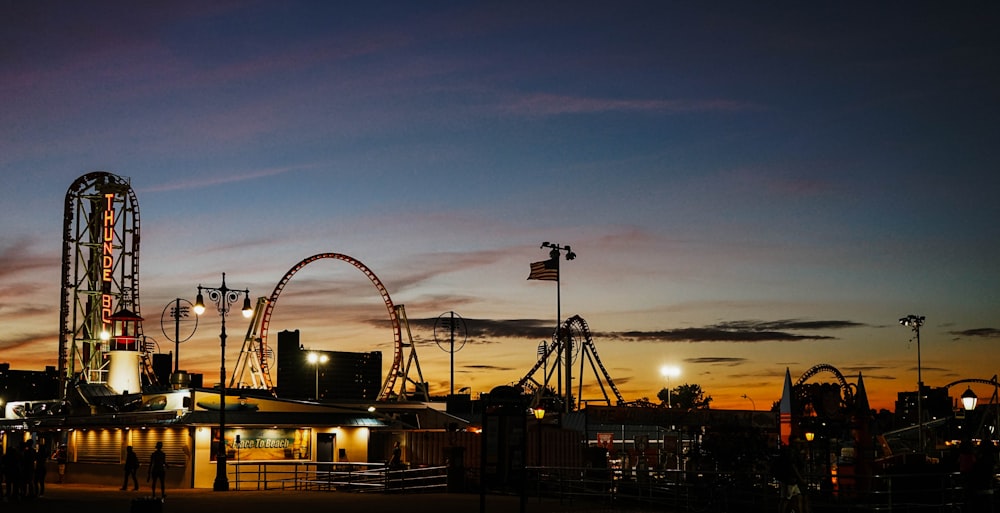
x,y
266,418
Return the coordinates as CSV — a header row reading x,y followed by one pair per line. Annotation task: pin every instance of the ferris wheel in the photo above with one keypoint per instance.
x,y
255,354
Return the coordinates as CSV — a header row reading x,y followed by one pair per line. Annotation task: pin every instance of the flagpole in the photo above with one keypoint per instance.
x,y
563,339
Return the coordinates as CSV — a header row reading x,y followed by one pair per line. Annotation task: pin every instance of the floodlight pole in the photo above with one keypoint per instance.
x,y
565,340
915,322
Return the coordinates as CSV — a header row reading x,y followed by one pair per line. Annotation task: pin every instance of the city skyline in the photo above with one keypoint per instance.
x,y
748,189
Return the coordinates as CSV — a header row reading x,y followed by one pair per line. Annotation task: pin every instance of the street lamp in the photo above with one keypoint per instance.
x,y
915,322
316,359
969,399
564,339
752,404
539,415
669,371
223,297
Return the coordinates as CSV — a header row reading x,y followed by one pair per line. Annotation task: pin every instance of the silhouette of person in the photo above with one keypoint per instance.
x,y
41,457
788,470
28,457
158,469
61,457
395,462
131,469
12,472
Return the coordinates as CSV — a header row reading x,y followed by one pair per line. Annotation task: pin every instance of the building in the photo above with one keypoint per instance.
x,y
22,385
935,403
336,376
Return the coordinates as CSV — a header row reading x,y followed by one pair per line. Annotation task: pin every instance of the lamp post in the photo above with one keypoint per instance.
x,y
554,251
915,322
539,415
669,371
316,359
223,297
969,401
752,404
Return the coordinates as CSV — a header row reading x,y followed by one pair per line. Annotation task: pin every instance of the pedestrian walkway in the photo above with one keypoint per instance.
x,y
78,498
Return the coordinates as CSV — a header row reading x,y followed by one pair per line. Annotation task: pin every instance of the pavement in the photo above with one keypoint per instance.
x,y
81,498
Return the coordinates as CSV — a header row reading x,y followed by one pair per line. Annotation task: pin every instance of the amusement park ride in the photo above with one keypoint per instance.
x,y
100,283
100,279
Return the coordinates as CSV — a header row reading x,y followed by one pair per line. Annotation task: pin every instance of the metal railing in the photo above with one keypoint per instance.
x,y
328,476
747,492
674,490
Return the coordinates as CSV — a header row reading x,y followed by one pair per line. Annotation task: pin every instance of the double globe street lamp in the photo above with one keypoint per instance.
x,y
316,359
223,297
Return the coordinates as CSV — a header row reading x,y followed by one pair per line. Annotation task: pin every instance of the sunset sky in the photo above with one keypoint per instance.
x,y
748,187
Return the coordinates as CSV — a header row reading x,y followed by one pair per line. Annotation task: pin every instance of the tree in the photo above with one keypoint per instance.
x,y
686,396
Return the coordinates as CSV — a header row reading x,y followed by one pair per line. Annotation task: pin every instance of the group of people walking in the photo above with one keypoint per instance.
x,y
157,472
23,471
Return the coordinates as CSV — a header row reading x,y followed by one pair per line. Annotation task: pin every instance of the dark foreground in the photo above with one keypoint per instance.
x,y
77,498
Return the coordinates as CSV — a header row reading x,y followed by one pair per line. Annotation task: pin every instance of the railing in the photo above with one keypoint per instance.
x,y
681,491
328,476
747,492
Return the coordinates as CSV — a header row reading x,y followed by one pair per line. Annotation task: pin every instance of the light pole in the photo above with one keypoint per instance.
x,y
539,416
915,322
223,297
752,404
554,250
669,371
316,359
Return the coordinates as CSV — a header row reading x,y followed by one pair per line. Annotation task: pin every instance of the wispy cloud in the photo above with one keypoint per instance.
x,y
978,333
544,104
720,360
203,181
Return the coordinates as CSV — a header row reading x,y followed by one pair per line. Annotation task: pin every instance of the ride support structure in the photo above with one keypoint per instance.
x,y
575,334
100,276
253,368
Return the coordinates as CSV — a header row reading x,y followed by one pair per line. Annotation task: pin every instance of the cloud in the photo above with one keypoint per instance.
x,y
16,257
544,104
208,180
978,333
744,331
719,360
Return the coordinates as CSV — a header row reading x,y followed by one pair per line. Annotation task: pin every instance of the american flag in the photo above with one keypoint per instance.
x,y
545,270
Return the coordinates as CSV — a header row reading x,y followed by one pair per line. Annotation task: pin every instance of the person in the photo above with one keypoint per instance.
x,y
60,456
395,462
158,469
981,478
131,469
28,457
788,470
41,470
12,472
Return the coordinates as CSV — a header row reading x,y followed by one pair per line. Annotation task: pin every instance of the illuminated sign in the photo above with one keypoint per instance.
x,y
265,444
107,259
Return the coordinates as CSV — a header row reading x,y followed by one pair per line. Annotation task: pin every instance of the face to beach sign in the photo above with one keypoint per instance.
x,y
265,444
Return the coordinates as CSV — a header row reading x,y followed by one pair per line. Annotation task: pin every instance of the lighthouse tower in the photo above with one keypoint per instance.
x,y
123,353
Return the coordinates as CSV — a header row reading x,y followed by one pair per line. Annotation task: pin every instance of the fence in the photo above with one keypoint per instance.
x,y
681,491
359,477
723,492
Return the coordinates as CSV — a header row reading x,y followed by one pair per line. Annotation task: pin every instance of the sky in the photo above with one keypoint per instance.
x,y
748,187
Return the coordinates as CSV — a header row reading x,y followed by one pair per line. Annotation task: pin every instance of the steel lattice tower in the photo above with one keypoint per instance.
x,y
100,274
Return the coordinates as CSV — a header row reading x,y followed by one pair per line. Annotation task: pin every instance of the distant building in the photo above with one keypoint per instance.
x,y
163,365
344,376
935,403
21,385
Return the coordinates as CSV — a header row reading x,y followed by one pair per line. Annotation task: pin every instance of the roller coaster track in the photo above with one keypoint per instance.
x,y
576,333
395,372
88,216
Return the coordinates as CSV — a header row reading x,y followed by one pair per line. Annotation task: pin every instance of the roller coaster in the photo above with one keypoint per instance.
x,y
252,367
572,337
